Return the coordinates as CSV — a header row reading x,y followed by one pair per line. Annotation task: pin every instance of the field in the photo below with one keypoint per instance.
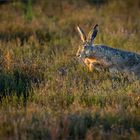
x,y
45,93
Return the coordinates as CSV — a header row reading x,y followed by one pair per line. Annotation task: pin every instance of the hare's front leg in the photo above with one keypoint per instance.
x,y
90,63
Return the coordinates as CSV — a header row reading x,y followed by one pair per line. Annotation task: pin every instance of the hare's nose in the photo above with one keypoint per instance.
x,y
78,55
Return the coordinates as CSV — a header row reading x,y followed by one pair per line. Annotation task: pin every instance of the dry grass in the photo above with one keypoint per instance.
x,y
46,93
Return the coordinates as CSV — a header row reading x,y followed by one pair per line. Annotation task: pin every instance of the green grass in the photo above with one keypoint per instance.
x,y
45,93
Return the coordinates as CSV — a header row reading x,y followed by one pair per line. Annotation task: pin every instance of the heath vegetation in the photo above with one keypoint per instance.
x,y
45,93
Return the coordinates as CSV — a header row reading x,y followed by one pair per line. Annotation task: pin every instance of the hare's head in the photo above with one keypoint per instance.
x,y
85,49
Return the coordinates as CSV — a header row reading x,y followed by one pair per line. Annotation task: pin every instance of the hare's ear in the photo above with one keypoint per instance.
x,y
81,33
92,34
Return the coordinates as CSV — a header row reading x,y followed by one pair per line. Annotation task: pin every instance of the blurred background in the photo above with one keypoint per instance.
x,y
47,18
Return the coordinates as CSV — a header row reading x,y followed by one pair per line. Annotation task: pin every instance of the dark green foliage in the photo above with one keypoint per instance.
x,y
15,83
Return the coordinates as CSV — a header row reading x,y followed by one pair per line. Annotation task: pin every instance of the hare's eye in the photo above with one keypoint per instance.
x,y
85,47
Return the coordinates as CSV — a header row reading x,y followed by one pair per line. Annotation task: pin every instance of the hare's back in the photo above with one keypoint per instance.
x,y
105,51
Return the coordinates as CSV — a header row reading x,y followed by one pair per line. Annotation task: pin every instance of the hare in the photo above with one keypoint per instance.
x,y
102,56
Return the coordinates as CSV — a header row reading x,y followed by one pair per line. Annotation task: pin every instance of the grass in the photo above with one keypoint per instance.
x,y
45,93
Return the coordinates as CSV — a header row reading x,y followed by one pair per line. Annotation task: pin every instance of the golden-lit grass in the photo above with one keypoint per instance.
x,y
45,93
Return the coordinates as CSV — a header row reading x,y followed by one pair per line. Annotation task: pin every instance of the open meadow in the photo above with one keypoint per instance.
x,y
45,93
